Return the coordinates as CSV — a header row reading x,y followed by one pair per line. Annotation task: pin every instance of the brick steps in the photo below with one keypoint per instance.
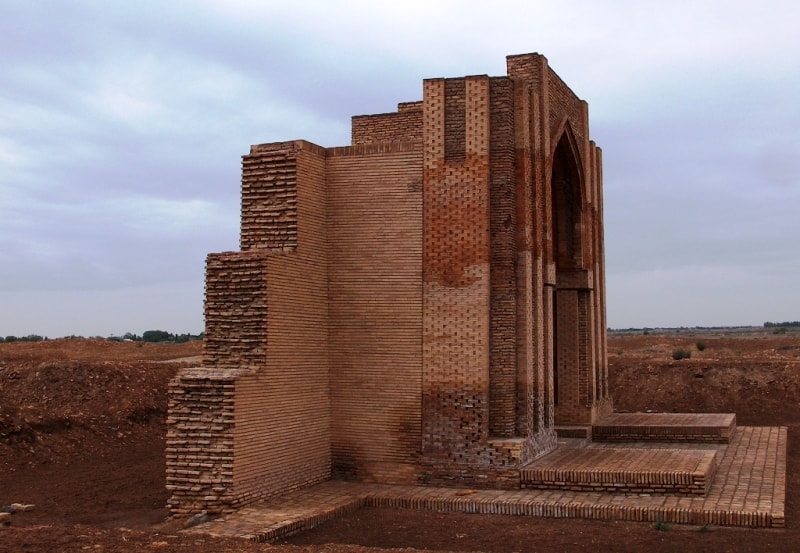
x,y
623,470
665,427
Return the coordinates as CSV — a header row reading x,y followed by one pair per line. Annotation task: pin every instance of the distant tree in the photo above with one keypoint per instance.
x,y
11,338
156,336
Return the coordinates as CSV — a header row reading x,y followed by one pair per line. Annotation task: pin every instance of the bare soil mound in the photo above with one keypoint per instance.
x,y
82,425
753,373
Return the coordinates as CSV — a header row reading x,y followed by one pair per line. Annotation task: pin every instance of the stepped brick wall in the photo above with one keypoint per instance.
x,y
282,409
240,425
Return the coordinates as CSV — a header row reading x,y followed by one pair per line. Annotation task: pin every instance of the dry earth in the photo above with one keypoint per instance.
x,y
82,426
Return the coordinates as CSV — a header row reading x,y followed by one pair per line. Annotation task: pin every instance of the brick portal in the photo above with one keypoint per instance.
x,y
423,306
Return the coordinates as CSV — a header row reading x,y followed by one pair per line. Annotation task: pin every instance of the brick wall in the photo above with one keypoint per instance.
x,y
282,410
457,288
269,197
536,325
564,104
199,450
503,397
571,331
403,126
201,422
375,237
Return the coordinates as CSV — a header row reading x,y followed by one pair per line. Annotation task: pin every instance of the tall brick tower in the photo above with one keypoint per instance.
x,y
425,305
513,296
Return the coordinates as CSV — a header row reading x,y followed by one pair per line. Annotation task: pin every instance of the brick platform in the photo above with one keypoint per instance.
x,y
748,489
665,427
631,470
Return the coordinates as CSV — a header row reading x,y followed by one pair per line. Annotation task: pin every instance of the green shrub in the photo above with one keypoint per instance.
x,y
678,354
700,346
661,526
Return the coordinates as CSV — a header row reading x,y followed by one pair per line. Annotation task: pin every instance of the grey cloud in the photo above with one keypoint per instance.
x,y
124,123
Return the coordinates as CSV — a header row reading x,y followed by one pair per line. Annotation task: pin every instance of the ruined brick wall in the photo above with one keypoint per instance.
x,y
269,198
201,421
255,420
282,410
406,309
199,472
405,125
235,311
375,237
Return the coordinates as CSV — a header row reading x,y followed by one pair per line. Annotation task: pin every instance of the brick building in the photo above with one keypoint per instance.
x,y
424,306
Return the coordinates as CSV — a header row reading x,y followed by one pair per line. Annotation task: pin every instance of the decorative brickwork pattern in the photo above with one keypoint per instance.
x,y
456,285
504,380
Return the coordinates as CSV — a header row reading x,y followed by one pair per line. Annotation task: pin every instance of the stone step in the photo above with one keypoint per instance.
x,y
623,470
665,427
581,431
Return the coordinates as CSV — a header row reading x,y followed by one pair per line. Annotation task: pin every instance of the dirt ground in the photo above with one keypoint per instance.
x,y
82,425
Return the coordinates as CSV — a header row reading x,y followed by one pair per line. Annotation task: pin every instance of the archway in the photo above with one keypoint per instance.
x,y
569,291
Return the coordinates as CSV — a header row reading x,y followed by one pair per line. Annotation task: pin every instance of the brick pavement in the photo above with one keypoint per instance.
x,y
748,489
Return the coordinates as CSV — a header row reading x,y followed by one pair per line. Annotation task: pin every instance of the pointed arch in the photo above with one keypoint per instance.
x,y
567,198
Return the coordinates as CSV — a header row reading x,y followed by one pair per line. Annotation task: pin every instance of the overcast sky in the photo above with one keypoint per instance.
x,y
122,125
